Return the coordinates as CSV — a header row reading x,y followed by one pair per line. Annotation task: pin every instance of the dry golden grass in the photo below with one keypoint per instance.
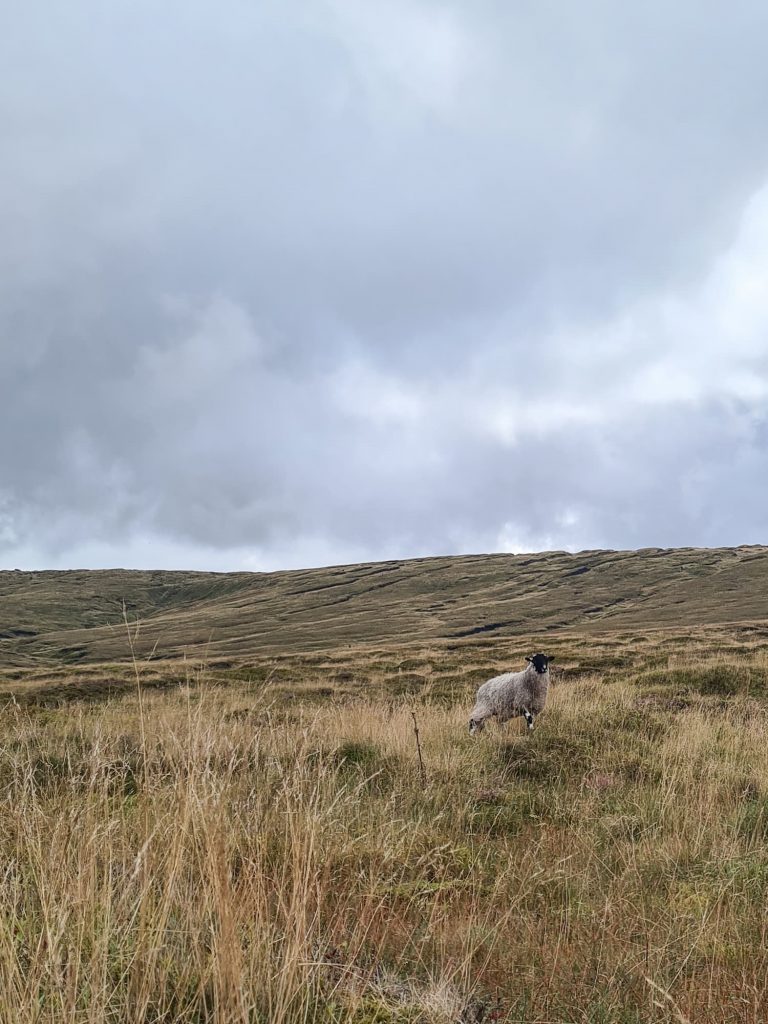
x,y
266,850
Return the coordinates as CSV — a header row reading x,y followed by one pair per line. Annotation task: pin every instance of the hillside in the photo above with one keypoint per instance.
x,y
77,617
299,828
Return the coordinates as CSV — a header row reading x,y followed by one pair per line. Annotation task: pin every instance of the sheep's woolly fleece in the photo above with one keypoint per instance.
x,y
512,694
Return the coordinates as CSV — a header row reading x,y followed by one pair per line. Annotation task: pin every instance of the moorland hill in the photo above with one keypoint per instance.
x,y
78,616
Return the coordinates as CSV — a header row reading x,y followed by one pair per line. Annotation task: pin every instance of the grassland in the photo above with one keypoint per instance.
x,y
77,617
255,842
249,837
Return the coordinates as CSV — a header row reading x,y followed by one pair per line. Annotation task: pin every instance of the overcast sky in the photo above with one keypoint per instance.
x,y
297,282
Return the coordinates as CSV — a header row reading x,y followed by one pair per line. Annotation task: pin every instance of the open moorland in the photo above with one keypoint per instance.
x,y
77,617
242,825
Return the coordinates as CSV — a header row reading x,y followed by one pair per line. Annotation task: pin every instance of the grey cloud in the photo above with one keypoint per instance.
x,y
288,282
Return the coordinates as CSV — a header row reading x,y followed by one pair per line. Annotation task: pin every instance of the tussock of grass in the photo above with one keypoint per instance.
x,y
726,679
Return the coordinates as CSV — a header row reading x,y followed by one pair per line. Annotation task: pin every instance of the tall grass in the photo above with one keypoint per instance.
x,y
230,856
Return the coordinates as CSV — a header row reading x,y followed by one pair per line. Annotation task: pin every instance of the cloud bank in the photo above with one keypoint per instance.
x,y
290,284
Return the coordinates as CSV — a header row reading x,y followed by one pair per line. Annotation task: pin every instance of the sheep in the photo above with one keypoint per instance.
x,y
512,694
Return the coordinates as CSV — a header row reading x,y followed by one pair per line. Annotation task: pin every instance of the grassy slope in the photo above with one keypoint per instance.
x,y
50,617
253,840
267,851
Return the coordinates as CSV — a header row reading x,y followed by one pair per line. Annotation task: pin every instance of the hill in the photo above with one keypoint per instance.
x,y
77,617
292,824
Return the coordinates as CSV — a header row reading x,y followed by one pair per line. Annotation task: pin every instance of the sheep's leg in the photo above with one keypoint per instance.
x,y
529,718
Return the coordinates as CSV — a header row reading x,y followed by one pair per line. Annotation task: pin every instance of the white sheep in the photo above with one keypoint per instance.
x,y
512,694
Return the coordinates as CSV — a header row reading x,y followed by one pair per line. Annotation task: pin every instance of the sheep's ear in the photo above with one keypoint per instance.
x,y
550,659
527,658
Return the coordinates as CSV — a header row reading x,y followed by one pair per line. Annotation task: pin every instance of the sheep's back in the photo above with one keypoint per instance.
x,y
494,685
500,691
515,690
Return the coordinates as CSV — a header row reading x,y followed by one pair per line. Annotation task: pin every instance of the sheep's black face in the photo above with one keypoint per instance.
x,y
540,662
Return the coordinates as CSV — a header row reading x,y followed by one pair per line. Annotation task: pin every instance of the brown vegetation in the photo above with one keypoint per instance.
x,y
262,848
76,618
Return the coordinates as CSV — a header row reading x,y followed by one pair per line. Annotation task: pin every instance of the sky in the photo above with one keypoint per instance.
x,y
301,282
